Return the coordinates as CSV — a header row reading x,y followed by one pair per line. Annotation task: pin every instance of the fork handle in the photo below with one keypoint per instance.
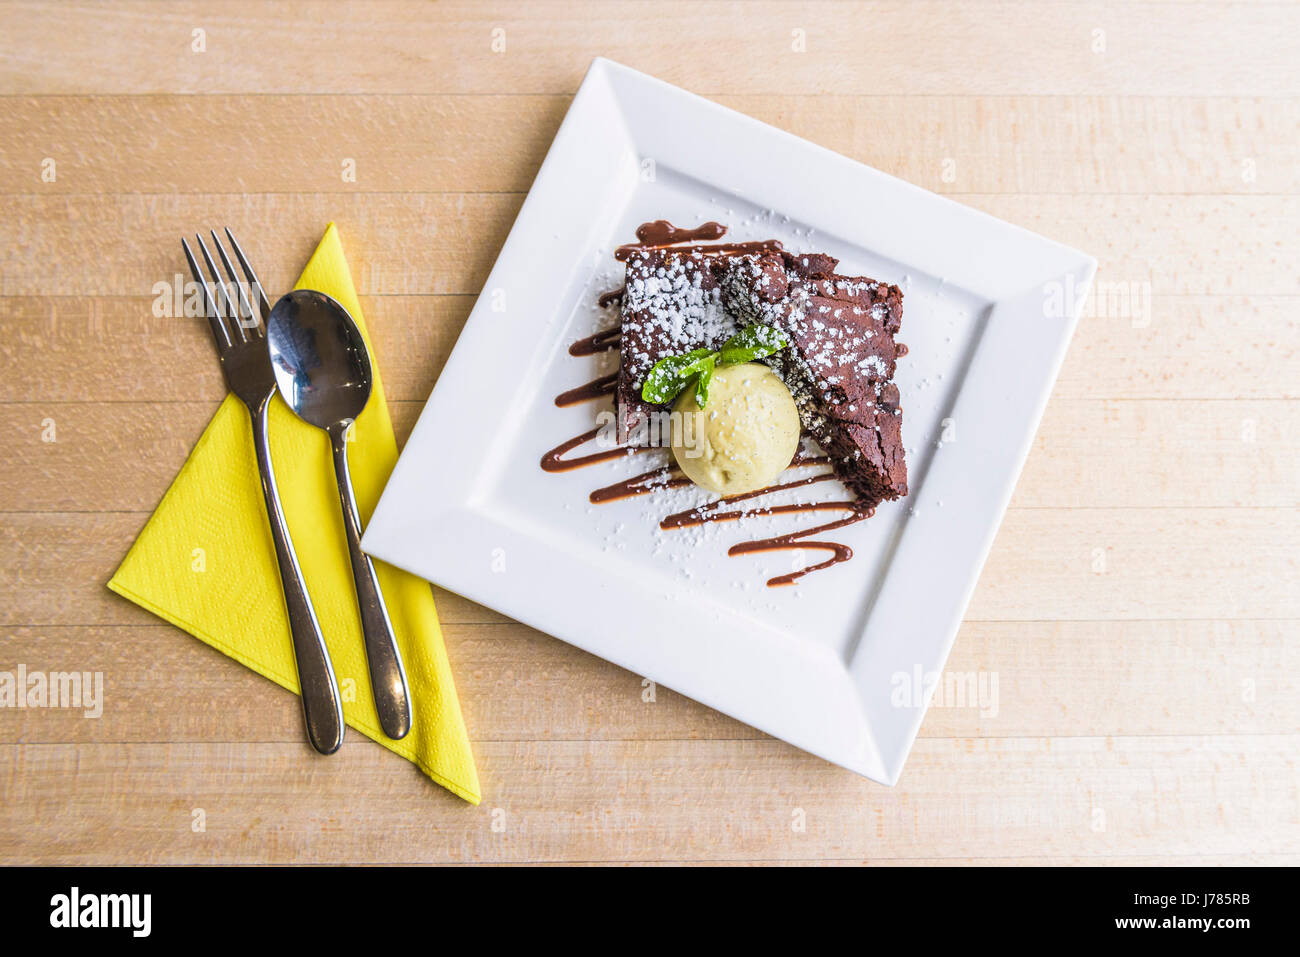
x,y
387,676
321,704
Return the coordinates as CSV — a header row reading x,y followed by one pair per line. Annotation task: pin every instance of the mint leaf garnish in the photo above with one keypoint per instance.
x,y
752,342
702,380
671,374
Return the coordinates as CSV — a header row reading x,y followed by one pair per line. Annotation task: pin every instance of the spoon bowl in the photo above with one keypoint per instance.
x,y
321,363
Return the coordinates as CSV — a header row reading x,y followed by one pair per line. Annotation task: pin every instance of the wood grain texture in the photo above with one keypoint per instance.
x,y
404,46
1136,628
719,799
996,144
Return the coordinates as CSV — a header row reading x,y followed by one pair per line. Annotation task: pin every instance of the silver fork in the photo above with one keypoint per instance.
x,y
239,328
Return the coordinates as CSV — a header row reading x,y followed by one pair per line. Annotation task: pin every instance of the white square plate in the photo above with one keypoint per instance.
x,y
817,664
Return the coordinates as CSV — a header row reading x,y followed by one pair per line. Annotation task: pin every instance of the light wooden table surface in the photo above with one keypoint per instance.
x,y
1140,607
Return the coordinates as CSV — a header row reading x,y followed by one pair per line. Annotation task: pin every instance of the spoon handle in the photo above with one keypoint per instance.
x,y
387,676
321,705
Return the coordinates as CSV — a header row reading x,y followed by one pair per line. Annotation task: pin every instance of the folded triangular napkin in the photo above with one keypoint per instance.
x,y
205,561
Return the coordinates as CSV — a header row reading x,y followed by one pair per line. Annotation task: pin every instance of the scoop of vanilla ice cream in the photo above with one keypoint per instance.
x,y
744,437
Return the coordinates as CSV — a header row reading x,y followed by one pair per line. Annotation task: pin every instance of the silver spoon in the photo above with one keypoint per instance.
x,y
323,372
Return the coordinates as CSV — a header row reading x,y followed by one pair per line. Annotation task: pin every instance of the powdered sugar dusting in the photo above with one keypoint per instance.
x,y
670,303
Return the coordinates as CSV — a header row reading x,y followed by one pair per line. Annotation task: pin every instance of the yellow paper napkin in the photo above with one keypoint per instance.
x,y
205,561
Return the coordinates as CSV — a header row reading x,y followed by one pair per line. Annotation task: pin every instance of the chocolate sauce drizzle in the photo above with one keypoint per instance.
x,y
554,460
623,253
658,234
661,234
585,393
666,476
603,341
712,512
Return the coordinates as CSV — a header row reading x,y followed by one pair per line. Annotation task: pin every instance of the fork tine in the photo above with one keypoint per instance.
x,y
247,315
224,299
256,283
210,306
223,295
